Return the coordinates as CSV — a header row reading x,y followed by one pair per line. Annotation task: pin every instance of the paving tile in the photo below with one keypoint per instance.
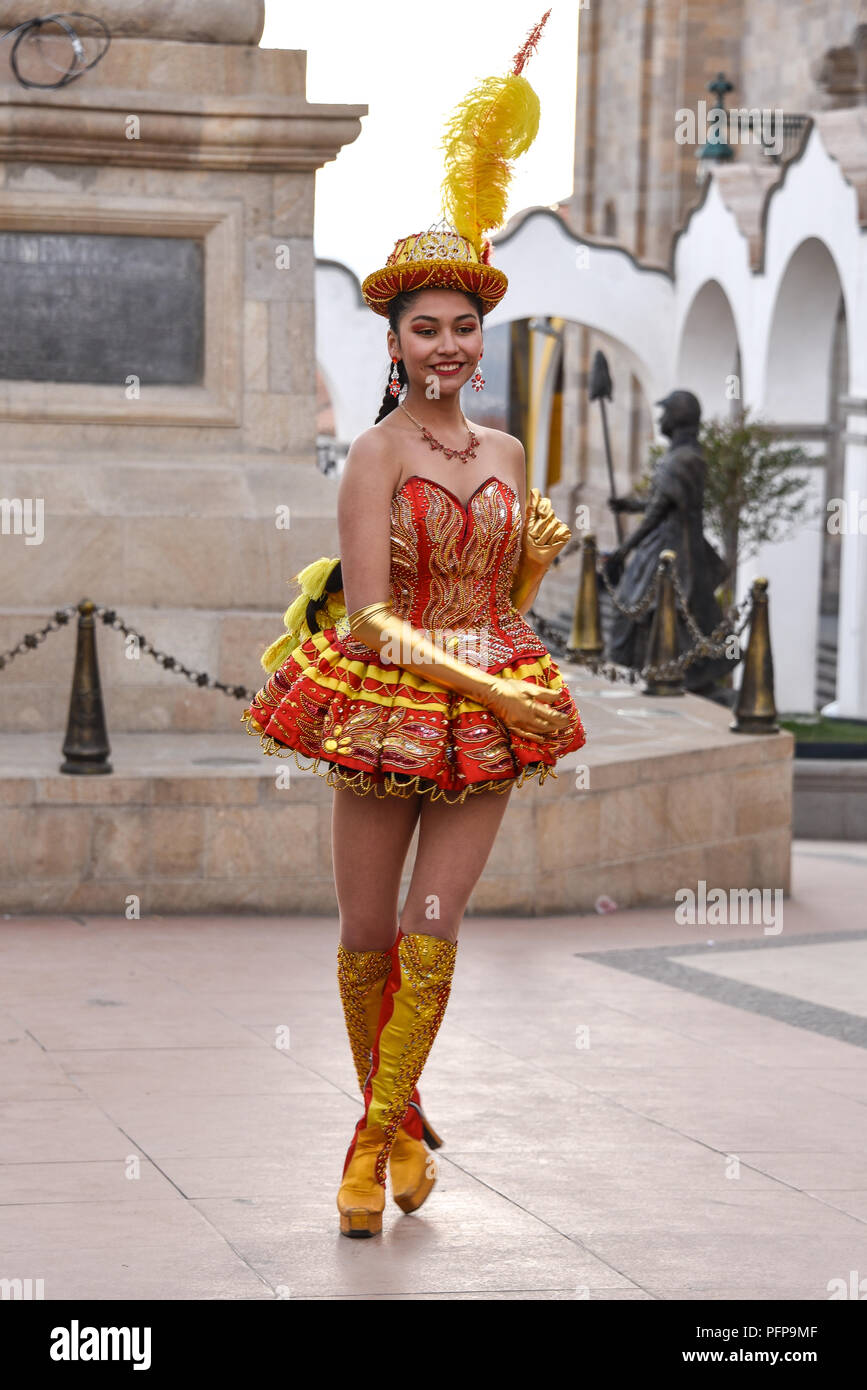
x,y
167,1222
616,1295
812,1169
849,1200
68,1181
695,1150
55,1131
234,1126
156,1014
782,1263
471,1241
199,1071
832,973
207,1270
27,1072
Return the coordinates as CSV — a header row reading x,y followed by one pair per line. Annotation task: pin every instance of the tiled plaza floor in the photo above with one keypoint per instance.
x,y
632,1109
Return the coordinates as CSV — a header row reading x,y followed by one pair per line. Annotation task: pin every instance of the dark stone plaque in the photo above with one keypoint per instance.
x,y
98,308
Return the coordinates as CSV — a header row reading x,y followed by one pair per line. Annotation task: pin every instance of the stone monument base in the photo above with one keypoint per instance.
x,y
197,823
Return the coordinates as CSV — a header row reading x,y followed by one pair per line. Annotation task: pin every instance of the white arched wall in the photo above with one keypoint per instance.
x,y
813,250
707,351
800,336
350,349
826,208
553,272
712,251
797,365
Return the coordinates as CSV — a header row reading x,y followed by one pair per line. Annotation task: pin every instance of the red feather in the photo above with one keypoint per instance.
x,y
529,44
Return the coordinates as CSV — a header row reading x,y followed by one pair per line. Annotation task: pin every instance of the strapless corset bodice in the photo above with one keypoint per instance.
x,y
452,570
373,726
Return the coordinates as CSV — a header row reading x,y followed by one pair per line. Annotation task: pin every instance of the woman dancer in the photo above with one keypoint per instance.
x,y
426,697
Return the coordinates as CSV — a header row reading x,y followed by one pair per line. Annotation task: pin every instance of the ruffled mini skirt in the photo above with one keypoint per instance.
x,y
385,730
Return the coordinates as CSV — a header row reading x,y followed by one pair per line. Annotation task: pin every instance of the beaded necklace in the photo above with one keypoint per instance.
x,y
463,454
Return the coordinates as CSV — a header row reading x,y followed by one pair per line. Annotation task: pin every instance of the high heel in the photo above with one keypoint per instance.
x,y
412,1167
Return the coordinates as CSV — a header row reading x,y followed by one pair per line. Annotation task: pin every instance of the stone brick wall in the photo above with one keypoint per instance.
x,y
783,44
166,509
640,64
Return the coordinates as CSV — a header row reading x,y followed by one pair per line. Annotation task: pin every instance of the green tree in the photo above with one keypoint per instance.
x,y
752,492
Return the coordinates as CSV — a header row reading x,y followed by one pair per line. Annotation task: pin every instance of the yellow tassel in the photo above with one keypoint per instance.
x,y
312,579
494,123
279,651
314,576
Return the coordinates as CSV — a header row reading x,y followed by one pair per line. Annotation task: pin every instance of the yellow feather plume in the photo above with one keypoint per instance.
x,y
494,123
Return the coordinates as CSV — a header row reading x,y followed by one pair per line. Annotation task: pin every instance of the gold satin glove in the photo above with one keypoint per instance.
x,y
520,704
544,536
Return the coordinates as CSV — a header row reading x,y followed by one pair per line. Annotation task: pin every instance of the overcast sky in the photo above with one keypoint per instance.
x,y
410,63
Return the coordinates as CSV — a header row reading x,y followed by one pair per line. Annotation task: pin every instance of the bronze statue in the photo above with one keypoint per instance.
x,y
673,520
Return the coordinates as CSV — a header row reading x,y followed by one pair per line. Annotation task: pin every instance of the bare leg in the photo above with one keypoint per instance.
x,y
454,842
370,837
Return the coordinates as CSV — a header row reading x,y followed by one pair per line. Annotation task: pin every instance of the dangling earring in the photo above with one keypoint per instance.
x,y
478,381
394,380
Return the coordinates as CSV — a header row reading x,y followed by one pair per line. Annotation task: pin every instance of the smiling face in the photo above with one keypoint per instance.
x,y
440,338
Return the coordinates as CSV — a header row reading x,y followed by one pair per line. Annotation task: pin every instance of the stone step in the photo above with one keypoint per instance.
x,y
663,794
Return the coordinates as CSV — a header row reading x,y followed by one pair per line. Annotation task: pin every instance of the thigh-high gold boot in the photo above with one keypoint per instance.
x,y
413,1002
361,978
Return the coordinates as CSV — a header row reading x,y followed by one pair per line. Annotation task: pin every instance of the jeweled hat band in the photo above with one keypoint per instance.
x,y
438,243
438,258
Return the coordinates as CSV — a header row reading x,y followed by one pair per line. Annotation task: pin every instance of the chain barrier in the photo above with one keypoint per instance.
x,y
110,618
637,609
31,640
707,644
596,665
713,644
732,625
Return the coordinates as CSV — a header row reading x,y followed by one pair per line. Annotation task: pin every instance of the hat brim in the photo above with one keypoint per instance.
x,y
470,277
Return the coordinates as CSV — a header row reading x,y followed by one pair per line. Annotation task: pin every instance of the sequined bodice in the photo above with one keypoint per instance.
x,y
452,569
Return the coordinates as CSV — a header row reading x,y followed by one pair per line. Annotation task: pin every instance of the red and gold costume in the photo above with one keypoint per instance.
x,y
460,571
377,727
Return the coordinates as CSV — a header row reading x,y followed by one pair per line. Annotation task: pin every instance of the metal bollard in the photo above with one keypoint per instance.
x,y
586,628
662,642
86,744
755,710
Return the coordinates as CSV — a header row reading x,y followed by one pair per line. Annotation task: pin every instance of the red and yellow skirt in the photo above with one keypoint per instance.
x,y
386,730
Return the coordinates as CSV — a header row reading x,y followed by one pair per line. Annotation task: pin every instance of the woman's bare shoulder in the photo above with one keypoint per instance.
x,y
499,439
375,439
371,462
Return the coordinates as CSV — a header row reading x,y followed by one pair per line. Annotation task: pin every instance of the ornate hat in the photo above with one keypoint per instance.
x,y
496,121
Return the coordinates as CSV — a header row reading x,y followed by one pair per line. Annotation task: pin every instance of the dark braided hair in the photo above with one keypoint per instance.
x,y
396,309
333,585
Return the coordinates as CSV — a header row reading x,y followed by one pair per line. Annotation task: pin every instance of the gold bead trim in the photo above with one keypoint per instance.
x,y
393,784
427,965
357,973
